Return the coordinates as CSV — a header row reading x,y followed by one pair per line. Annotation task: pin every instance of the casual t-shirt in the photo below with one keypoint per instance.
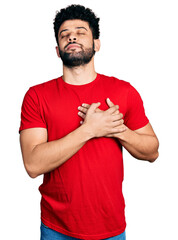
x,y
83,197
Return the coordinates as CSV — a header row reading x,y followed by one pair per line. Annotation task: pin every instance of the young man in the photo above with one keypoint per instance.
x,y
72,131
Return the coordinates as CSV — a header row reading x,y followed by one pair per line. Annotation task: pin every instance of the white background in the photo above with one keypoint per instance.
x,y
139,44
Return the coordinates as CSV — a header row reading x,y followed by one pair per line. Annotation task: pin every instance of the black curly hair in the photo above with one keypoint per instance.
x,y
77,12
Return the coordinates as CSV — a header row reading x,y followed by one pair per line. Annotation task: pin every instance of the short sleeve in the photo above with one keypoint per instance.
x,y
135,117
30,111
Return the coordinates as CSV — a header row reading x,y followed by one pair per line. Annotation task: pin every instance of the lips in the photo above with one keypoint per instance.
x,y
72,45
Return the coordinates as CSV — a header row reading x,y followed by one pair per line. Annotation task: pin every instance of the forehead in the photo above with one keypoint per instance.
x,y
72,24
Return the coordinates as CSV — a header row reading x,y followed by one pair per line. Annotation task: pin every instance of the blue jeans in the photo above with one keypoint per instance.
x,y
49,234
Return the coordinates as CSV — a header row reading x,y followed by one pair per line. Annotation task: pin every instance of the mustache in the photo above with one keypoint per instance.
x,y
72,43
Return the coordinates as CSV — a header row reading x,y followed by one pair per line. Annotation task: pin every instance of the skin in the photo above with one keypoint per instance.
x,y
72,31
41,156
141,143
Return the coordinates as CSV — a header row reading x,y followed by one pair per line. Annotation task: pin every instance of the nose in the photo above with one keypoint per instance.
x,y
72,37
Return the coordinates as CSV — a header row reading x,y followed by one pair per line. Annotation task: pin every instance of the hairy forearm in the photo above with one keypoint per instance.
x,y
140,146
47,156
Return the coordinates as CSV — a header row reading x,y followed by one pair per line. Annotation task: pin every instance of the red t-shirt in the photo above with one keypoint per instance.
x,y
83,197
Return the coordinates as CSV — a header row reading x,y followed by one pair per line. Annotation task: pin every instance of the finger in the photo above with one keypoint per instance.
x,y
116,132
110,135
81,122
83,109
98,110
83,115
94,106
116,112
86,105
112,109
117,123
119,129
110,104
116,117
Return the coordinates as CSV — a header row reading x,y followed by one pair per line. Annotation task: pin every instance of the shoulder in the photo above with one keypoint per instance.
x,y
43,88
115,82
49,85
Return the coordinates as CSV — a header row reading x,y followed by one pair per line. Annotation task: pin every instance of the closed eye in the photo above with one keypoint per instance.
x,y
63,36
81,33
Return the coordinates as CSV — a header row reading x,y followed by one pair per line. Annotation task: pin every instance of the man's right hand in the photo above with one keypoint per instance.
x,y
103,123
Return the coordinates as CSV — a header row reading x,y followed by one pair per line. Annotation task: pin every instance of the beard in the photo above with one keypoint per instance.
x,y
74,59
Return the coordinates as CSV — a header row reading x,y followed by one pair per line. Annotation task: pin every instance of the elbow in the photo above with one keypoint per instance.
x,y
153,157
31,173
31,170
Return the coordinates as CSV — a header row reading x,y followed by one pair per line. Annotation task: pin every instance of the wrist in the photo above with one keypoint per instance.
x,y
123,136
86,131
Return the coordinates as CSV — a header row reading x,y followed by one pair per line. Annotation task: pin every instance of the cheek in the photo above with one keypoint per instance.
x,y
88,43
61,48
62,44
86,40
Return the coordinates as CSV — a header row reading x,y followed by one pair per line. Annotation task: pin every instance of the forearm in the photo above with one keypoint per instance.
x,y
47,156
140,146
142,143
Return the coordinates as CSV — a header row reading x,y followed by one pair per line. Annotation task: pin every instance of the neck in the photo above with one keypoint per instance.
x,y
79,75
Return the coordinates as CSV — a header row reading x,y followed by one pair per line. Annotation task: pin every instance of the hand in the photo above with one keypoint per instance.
x,y
123,127
103,123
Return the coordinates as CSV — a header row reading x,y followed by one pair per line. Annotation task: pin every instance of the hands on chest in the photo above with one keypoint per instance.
x,y
102,123
142,143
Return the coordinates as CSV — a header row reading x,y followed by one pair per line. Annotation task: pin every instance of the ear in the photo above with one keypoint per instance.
x,y
97,45
57,51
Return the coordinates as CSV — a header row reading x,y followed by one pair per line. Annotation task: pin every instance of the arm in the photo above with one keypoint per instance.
x,y
40,156
141,144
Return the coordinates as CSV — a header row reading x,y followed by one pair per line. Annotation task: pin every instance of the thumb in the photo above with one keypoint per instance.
x,y
110,104
94,106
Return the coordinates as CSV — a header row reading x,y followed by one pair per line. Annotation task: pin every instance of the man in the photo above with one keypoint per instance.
x,y
72,131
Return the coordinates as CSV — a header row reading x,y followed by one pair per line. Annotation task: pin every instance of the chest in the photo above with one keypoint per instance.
x,y
60,109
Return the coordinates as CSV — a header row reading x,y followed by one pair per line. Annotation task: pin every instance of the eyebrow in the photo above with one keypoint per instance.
x,y
75,28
